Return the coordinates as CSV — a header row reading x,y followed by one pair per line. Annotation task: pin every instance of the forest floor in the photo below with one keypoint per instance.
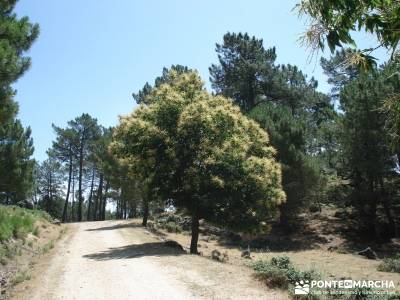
x,y
122,260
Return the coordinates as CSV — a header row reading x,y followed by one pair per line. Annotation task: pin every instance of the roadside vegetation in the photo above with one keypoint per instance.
x,y
25,235
279,272
16,222
391,264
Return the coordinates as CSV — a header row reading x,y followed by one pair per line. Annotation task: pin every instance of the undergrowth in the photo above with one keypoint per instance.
x,y
390,264
279,272
16,222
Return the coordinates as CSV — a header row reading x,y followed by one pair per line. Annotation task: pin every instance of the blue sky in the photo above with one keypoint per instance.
x,y
92,54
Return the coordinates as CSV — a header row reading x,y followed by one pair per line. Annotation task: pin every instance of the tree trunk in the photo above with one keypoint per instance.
x,y
80,199
98,199
125,209
51,194
133,210
387,206
370,215
104,202
117,210
73,198
90,196
65,210
35,197
195,233
145,212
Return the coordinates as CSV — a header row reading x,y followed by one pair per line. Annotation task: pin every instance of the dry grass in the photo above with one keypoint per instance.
x,y
14,268
329,264
208,279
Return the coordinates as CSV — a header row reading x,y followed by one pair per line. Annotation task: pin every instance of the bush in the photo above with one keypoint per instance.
x,y
390,265
280,272
18,222
173,218
173,227
14,222
169,221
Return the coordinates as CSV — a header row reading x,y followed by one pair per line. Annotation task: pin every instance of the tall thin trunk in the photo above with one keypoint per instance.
x,y
130,214
73,198
387,206
104,202
371,214
80,199
35,197
98,198
125,209
50,193
134,208
65,210
119,214
90,196
195,233
120,202
145,212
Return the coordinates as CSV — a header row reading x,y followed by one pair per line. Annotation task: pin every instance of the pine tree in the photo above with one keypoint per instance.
x,y
87,131
369,160
16,146
50,183
63,150
286,104
245,70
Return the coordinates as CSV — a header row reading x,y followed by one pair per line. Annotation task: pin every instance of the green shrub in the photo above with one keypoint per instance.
x,y
20,277
166,219
172,227
280,272
18,222
390,265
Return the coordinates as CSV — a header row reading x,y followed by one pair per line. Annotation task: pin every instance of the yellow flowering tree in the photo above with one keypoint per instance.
x,y
201,152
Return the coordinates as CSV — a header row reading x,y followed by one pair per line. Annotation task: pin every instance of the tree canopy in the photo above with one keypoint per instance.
x,y
16,145
333,23
201,152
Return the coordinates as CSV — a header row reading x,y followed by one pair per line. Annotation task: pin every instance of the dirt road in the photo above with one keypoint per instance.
x,y
121,260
